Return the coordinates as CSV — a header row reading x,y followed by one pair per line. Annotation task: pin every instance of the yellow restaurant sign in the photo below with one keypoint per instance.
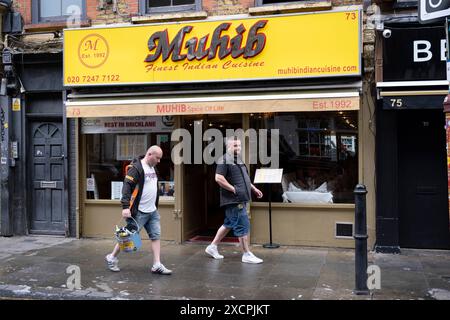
x,y
309,45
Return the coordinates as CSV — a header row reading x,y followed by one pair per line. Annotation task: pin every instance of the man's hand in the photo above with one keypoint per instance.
x,y
258,192
220,179
126,213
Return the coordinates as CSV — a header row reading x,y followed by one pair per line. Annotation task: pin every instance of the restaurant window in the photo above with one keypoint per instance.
x,y
162,6
318,155
112,144
57,10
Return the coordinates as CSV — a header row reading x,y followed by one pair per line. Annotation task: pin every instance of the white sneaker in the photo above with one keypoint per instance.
x,y
212,251
249,257
112,263
161,269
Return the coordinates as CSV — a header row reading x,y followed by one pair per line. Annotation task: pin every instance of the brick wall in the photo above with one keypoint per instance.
x,y
125,10
226,7
24,7
345,2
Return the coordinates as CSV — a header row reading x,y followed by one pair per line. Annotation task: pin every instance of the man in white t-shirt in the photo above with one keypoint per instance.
x,y
140,201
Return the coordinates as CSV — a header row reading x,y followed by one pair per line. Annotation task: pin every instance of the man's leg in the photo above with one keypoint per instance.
x,y
212,248
158,267
153,228
111,259
244,228
221,233
156,248
115,251
248,256
244,243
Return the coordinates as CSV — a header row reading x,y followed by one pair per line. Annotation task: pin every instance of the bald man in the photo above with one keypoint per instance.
x,y
140,201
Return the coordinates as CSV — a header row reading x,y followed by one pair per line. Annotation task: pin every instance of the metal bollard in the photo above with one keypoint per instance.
x,y
360,236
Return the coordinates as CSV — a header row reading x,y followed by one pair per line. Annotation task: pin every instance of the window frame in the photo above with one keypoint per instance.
x,y
260,3
36,14
144,9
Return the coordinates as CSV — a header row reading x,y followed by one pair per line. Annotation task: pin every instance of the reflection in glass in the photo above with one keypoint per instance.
x,y
166,188
58,8
182,2
159,3
66,4
106,161
50,8
319,155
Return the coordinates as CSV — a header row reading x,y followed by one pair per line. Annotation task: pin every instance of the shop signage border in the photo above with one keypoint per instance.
x,y
238,49
148,108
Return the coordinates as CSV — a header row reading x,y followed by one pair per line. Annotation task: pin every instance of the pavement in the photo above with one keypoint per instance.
x,y
46,268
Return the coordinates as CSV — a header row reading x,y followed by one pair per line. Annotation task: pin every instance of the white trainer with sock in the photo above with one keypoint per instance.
x,y
249,257
161,269
212,251
112,263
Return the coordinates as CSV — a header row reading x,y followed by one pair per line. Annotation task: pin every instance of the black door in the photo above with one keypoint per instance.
x,y
47,178
422,174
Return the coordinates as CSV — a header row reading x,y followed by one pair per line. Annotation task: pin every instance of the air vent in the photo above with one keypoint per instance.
x,y
344,230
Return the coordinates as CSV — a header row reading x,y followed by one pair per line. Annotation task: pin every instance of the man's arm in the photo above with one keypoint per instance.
x,y
129,184
220,179
258,192
221,173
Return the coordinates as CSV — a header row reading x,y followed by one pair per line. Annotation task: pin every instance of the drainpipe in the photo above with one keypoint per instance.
x,y
5,214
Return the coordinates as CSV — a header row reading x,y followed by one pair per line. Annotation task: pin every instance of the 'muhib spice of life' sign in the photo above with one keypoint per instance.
x,y
321,44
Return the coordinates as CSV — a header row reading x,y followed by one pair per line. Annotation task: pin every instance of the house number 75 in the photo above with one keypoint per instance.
x,y
397,103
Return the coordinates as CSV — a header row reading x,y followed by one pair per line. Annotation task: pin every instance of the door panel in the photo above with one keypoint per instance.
x,y
202,214
39,210
423,195
56,208
47,175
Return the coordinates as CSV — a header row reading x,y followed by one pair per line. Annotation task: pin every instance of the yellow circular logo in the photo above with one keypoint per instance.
x,y
93,51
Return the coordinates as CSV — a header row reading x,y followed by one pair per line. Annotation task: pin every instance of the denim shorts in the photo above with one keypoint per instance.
x,y
149,221
236,218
